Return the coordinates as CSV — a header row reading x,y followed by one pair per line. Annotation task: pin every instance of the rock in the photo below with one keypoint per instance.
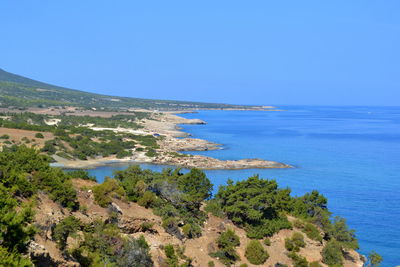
x,y
40,255
115,208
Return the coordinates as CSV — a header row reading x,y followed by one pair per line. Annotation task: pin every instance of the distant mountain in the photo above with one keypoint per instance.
x,y
19,91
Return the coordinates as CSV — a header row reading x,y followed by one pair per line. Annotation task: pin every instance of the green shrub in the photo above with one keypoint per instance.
x,y
146,226
147,200
374,259
103,193
312,232
314,264
13,259
15,224
64,229
214,208
227,241
191,230
211,264
49,147
244,204
123,154
295,242
298,261
39,135
83,209
171,256
151,153
5,136
332,253
27,171
255,253
341,233
267,242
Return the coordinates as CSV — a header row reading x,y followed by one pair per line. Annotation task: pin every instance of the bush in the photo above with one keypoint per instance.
x,y
312,232
151,153
255,253
227,242
27,171
374,259
135,252
13,259
214,208
15,224
245,204
170,253
228,239
295,243
267,242
39,135
123,154
314,264
64,229
5,136
340,231
191,230
146,226
103,193
298,261
332,253
147,200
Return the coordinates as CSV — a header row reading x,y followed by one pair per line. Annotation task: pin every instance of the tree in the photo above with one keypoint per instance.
x,y
374,259
255,253
332,253
13,259
16,230
196,184
340,231
254,204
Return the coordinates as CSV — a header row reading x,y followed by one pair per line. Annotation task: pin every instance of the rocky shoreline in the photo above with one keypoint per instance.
x,y
173,140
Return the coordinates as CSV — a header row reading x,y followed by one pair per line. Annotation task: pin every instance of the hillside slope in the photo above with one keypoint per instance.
x,y
19,91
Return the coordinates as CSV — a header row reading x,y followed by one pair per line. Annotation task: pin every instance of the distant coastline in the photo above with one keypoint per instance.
x,y
174,140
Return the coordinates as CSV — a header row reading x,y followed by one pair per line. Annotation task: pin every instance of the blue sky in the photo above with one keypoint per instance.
x,y
247,52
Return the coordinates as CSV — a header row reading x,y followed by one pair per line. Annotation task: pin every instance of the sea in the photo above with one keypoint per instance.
x,y
351,154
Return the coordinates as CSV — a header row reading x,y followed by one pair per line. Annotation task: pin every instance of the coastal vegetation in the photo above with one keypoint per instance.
x,y
73,138
255,205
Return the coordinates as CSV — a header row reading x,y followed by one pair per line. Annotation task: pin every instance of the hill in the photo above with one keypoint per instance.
x,y
51,217
19,91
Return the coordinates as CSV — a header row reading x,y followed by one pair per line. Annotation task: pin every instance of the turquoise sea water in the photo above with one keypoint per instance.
x,y
350,154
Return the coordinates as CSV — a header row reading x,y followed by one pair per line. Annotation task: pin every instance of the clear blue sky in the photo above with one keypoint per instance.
x,y
249,52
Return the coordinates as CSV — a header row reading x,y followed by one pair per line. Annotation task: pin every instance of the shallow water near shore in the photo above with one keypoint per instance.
x,y
350,154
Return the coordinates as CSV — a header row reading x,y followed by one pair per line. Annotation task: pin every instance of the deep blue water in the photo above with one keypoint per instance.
x,y
350,154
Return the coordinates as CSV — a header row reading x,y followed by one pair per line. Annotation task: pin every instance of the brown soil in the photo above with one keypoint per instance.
x,y
17,135
133,216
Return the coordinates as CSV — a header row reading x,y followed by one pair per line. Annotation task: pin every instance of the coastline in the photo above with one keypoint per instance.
x,y
173,141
